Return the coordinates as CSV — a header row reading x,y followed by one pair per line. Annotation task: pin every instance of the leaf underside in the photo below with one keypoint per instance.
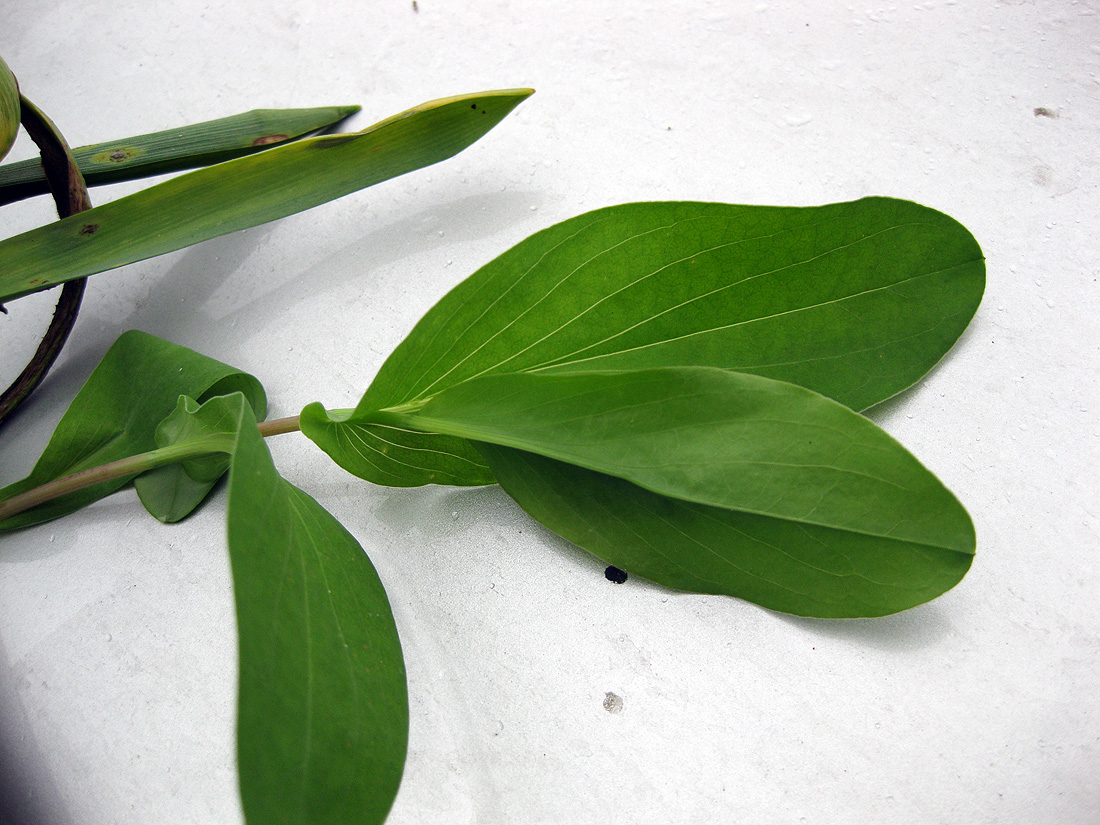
x,y
323,716
733,483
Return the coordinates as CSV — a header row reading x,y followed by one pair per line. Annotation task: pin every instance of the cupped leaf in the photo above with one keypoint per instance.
x,y
173,150
245,192
9,108
173,491
322,725
793,567
853,300
116,413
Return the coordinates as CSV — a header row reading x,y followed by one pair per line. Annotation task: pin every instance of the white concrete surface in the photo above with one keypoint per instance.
x,y
117,652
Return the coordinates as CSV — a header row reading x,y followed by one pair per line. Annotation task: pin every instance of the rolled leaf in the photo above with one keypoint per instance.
x,y
782,565
245,192
116,413
853,300
173,150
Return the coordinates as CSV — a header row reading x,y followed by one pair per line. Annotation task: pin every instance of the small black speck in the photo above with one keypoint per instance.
x,y
614,574
473,105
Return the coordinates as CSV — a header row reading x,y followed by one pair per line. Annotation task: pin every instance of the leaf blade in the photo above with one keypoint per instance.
x,y
173,150
116,413
792,569
245,192
9,108
714,437
323,710
854,300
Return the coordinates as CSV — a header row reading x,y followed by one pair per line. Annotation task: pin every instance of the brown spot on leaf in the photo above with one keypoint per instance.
x,y
266,139
118,154
89,228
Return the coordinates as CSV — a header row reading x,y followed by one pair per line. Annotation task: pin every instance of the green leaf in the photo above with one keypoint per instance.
x,y
9,108
853,300
245,192
116,413
173,491
733,466
782,565
173,150
712,436
322,725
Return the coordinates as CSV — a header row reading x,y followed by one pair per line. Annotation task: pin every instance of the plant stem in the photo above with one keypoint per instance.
x,y
129,466
279,426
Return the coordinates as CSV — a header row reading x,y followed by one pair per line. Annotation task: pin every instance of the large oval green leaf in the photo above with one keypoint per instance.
x,y
787,566
853,300
323,718
322,725
245,192
722,471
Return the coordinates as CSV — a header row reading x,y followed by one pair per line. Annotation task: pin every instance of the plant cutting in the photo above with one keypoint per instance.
x,y
674,387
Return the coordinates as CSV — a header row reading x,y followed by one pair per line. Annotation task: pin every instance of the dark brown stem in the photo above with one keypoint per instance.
x,y
70,194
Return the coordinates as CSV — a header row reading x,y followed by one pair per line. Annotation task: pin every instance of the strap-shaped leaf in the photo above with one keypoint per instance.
x,y
116,413
853,300
819,482
187,147
245,192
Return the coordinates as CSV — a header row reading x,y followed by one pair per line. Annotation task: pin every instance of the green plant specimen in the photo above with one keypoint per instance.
x,y
187,147
672,386
9,108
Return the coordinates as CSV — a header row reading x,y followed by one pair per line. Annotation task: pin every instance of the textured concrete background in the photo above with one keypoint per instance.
x,y
541,692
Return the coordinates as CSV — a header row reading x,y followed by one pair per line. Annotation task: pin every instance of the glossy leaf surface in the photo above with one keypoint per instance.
x,y
245,192
322,706
9,108
853,300
116,413
783,565
187,147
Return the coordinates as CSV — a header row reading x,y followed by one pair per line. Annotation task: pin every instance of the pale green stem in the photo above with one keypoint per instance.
x,y
130,466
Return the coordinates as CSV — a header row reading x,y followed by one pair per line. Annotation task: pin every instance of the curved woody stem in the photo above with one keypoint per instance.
x,y
70,195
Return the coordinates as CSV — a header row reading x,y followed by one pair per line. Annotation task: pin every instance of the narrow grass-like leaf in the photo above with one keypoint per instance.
x,y
116,413
788,566
173,150
245,192
9,108
853,300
